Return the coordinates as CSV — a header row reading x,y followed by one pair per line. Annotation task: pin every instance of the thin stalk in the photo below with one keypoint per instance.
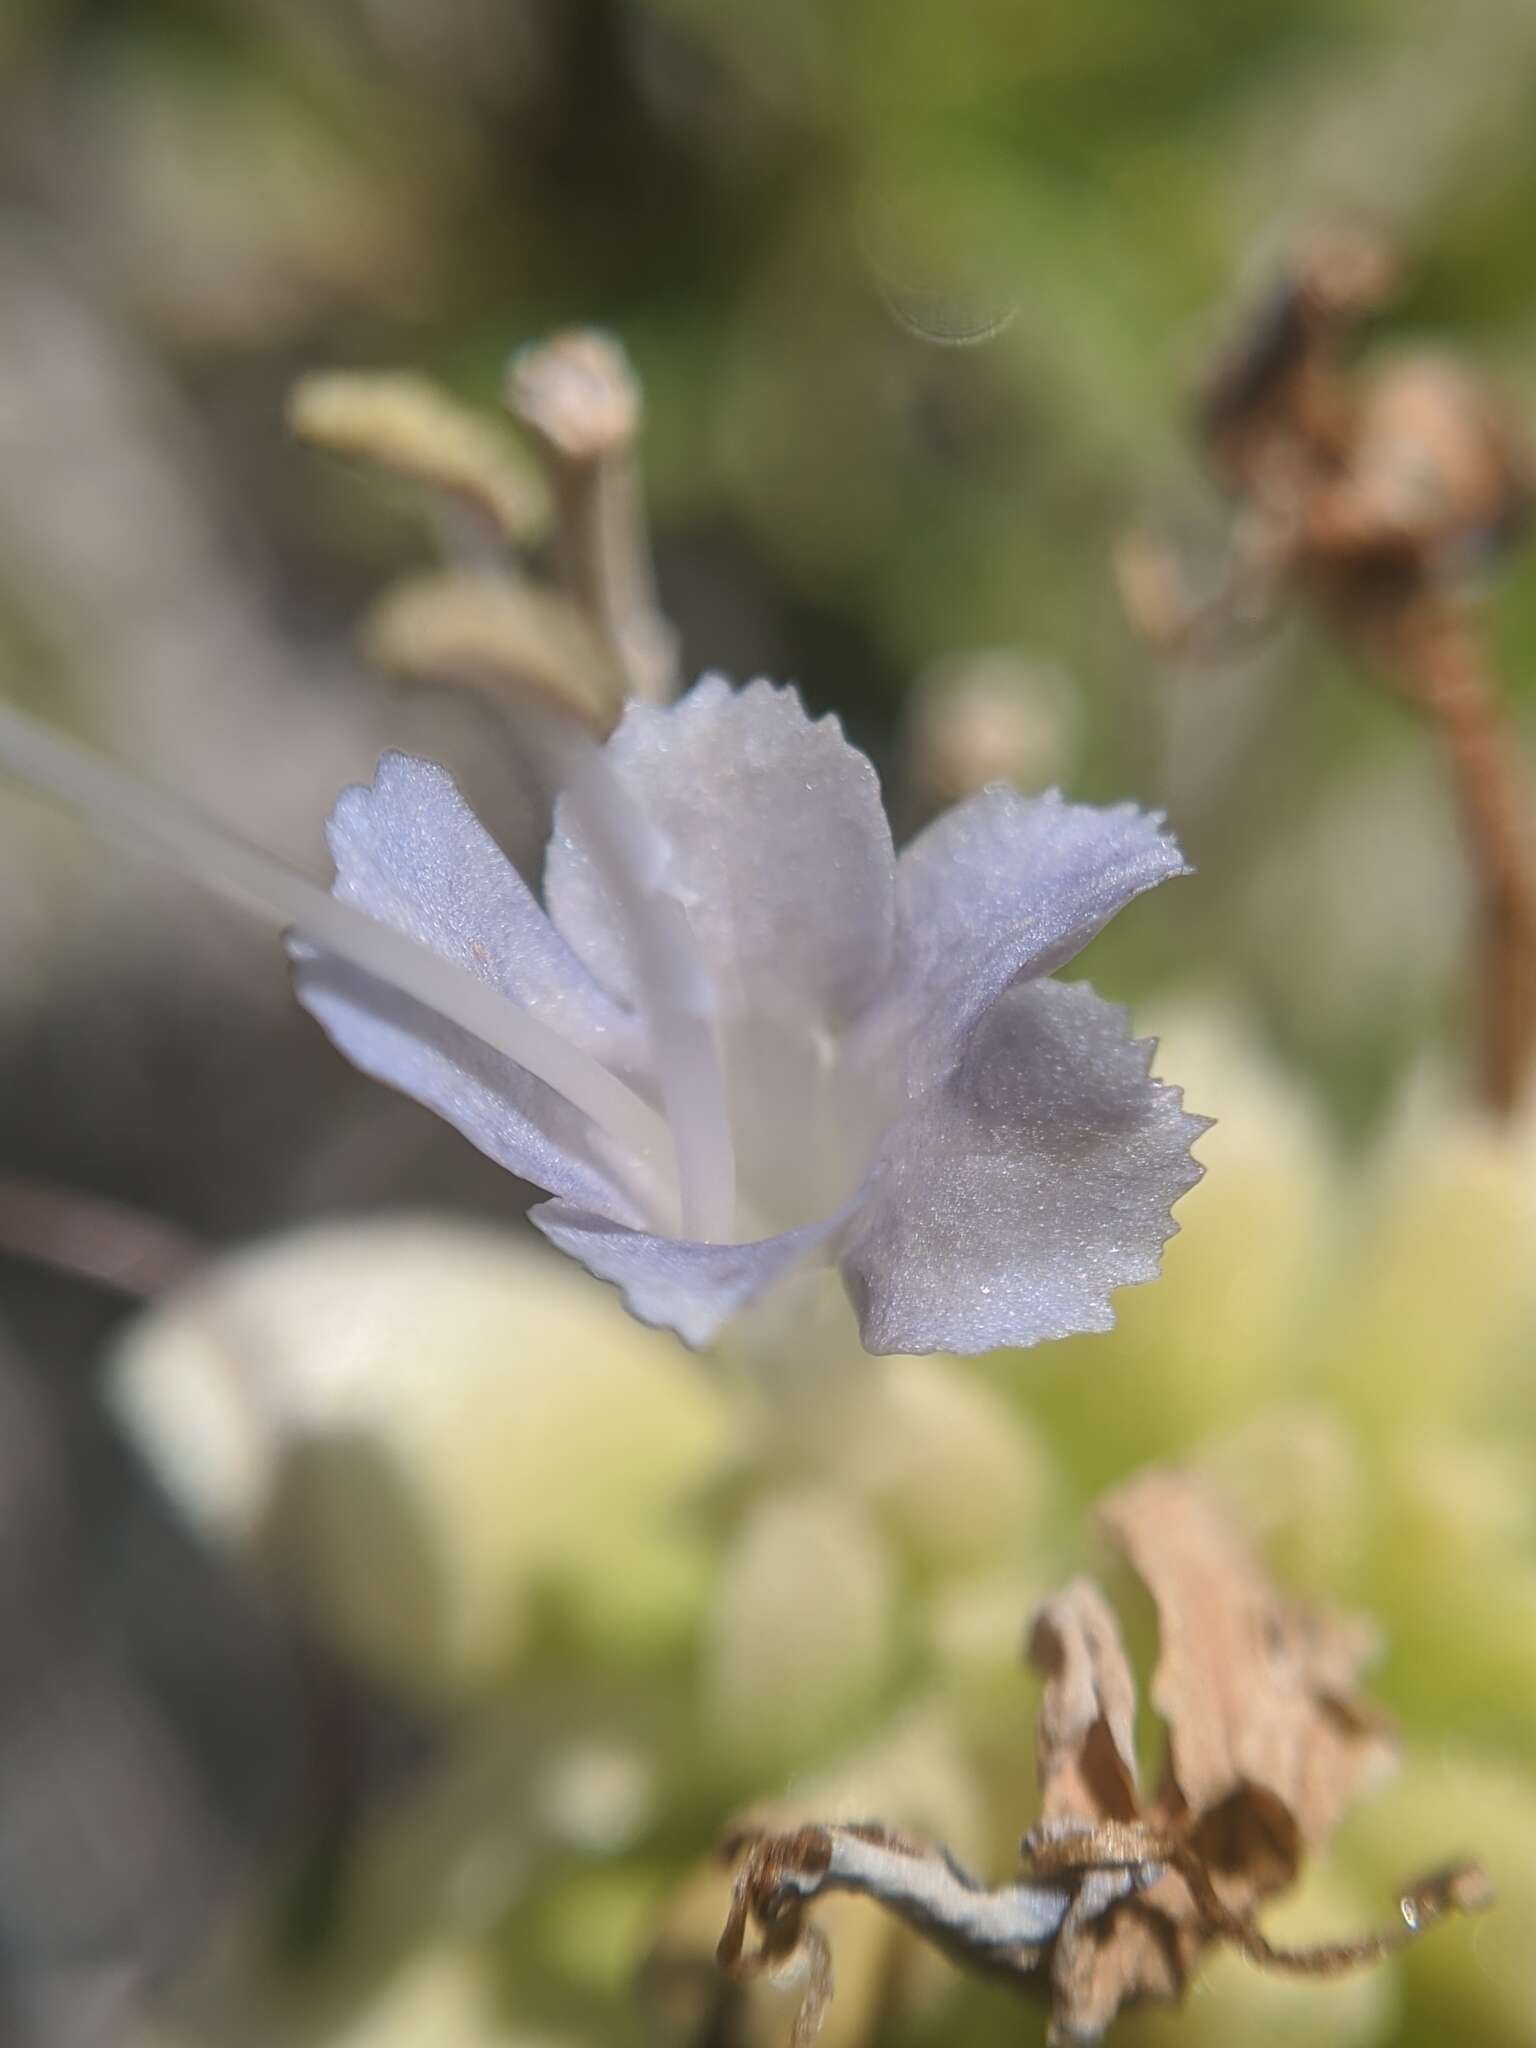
x,y
93,1239
1439,658
118,805
579,399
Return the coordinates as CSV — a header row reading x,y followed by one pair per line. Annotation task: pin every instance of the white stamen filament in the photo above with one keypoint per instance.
x,y
119,805
673,989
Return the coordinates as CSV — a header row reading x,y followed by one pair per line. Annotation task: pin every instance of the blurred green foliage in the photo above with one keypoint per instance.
x,y
917,295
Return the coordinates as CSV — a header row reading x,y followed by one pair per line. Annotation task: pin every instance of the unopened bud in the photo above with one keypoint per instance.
x,y
578,393
406,424
511,639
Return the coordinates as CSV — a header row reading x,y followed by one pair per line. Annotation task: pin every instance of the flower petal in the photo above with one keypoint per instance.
x,y
674,1283
1004,887
780,851
1015,1195
410,853
500,1107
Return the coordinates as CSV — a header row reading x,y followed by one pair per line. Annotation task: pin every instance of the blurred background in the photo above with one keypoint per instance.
x,y
382,1619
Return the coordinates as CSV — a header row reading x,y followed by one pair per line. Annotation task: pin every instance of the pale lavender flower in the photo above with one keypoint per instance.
x,y
742,1037
761,1041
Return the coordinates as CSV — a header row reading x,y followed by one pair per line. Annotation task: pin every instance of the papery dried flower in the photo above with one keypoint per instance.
x,y
744,1037
1266,1745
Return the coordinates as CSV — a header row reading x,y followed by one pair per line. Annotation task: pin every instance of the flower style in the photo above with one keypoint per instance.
x,y
742,1037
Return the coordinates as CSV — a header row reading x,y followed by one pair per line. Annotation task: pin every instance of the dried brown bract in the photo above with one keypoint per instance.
x,y
1267,1743
1373,492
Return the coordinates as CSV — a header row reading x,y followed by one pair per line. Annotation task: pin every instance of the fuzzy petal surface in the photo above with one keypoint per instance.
x,y
503,1110
674,1283
1033,1180
411,854
1007,887
780,852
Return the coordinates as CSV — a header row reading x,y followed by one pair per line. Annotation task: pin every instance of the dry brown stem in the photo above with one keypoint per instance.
x,y
1374,494
1268,1743
92,1239
1436,653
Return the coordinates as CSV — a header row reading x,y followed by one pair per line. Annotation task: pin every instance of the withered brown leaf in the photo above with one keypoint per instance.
x,y
1267,1744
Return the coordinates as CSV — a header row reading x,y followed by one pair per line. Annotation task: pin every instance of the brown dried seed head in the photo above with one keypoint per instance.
x,y
1436,463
